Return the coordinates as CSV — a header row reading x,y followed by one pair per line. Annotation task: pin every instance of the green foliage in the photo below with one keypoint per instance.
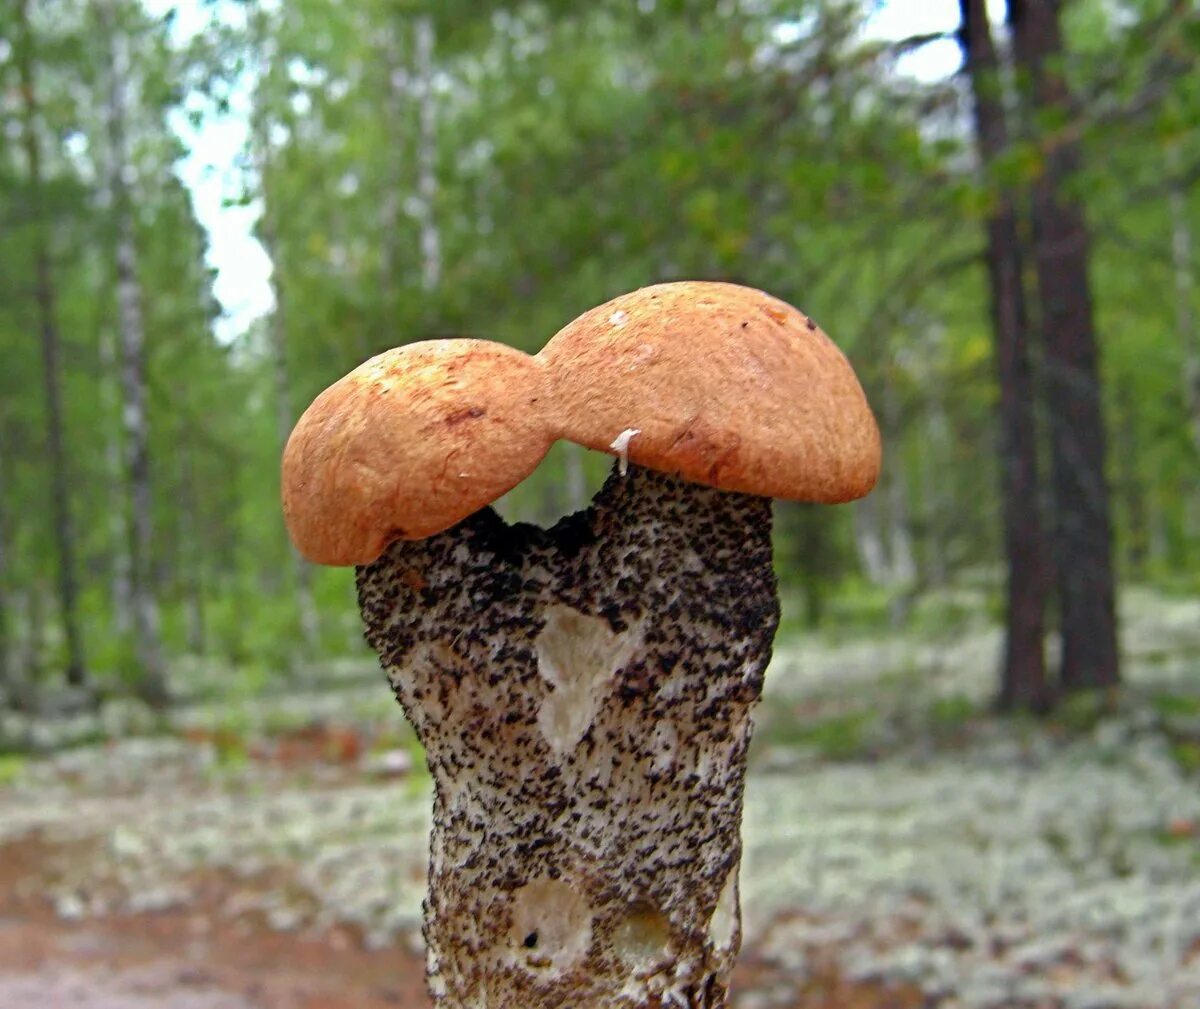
x,y
1177,705
843,737
1186,754
579,150
861,606
1082,711
12,765
952,714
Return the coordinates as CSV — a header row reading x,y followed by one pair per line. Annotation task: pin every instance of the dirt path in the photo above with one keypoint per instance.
x,y
196,958
185,958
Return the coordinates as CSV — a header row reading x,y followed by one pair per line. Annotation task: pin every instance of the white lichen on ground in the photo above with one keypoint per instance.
x,y
998,865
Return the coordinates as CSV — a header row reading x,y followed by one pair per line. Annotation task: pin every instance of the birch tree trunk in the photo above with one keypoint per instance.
x,y
1130,481
882,527
284,418
900,539
301,570
45,293
935,535
5,614
34,646
190,555
120,570
395,93
1083,527
1023,682
574,477
424,41
868,539
148,655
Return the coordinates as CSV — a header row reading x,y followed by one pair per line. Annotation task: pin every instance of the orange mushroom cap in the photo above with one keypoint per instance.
x,y
720,384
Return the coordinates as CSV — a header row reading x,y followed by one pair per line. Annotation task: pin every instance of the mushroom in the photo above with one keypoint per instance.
x,y
583,692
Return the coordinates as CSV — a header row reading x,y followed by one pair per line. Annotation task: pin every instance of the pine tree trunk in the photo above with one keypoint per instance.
x,y
64,533
148,654
1083,528
431,242
1023,682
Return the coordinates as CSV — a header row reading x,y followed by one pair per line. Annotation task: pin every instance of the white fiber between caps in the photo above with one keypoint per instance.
x,y
620,445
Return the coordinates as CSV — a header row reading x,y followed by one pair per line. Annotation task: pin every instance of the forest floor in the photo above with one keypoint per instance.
x,y
265,849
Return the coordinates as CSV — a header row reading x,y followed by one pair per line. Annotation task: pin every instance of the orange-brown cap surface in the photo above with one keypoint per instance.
x,y
720,384
724,385
410,443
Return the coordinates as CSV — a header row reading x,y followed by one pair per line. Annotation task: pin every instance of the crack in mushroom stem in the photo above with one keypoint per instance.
x,y
583,694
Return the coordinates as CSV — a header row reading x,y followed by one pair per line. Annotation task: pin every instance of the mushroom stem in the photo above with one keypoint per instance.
x,y
583,695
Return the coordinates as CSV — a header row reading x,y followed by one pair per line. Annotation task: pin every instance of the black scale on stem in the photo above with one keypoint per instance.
x,y
583,694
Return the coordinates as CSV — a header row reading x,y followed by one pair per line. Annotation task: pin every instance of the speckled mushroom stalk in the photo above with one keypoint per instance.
x,y
583,695
583,692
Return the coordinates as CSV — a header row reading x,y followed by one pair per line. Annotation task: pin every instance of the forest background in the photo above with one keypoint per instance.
x,y
974,775
1006,253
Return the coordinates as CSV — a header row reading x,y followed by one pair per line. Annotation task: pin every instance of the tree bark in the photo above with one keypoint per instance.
x,y
120,571
5,613
191,557
813,559
868,539
935,535
1185,285
35,636
1023,681
900,537
1131,483
424,41
1083,527
147,643
64,533
394,103
301,570
882,524
574,476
